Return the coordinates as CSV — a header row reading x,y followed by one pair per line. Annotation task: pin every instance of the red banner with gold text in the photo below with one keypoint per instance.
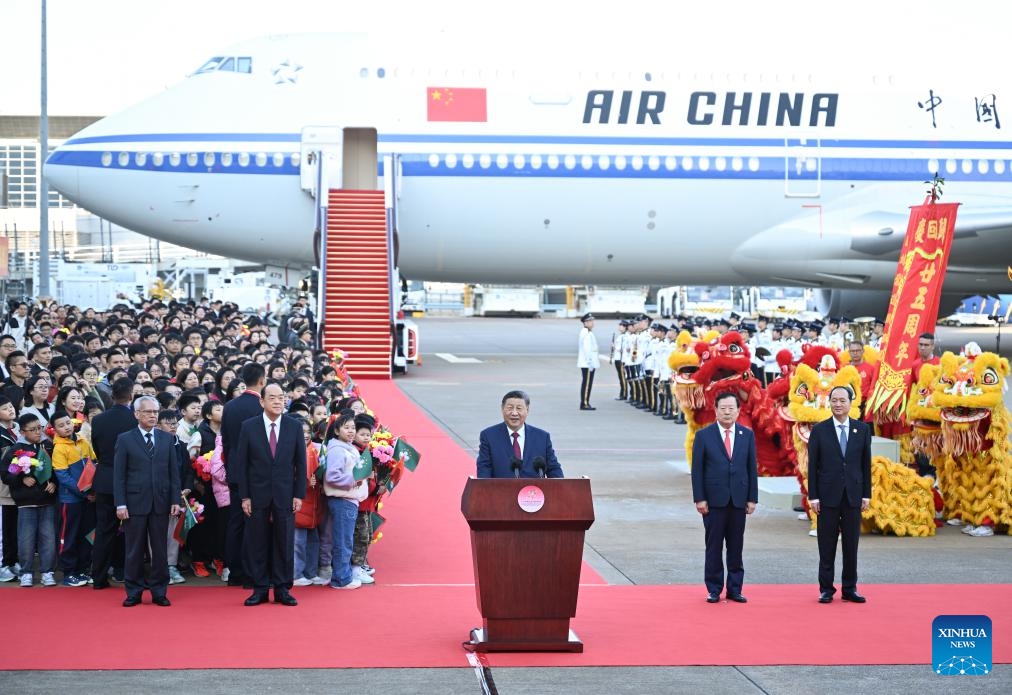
x,y
913,306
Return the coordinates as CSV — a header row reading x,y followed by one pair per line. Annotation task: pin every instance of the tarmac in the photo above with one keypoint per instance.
x,y
646,532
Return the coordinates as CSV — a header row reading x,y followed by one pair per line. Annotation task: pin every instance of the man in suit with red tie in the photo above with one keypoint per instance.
x,y
725,489
270,460
839,489
514,449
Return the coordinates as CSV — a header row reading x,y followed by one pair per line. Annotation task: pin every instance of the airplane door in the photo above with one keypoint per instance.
x,y
802,168
320,142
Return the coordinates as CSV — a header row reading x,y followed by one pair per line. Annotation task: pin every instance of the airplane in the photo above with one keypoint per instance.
x,y
565,175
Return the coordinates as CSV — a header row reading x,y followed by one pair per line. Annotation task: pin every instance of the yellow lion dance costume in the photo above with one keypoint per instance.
x,y
976,475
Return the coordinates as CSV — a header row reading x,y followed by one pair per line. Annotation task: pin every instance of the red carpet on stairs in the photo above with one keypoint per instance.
x,y
423,605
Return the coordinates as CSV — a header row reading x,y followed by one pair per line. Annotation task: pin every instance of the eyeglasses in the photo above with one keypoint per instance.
x,y
31,429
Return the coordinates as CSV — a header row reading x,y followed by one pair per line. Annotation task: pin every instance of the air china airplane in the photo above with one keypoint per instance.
x,y
592,177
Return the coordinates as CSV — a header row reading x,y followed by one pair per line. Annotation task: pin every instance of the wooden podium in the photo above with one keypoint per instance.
x,y
527,547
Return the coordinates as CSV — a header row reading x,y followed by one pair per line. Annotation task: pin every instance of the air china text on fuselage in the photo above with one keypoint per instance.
x,y
708,108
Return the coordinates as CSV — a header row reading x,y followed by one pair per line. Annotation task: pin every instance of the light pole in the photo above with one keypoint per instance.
x,y
43,195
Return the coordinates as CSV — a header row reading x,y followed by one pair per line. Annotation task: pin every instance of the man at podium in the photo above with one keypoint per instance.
x,y
514,449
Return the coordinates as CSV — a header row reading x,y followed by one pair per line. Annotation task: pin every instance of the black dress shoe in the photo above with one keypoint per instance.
x,y
131,601
826,597
255,599
587,407
853,597
712,597
285,599
737,598
162,601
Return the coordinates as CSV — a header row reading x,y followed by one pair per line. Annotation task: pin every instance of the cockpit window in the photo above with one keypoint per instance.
x,y
242,64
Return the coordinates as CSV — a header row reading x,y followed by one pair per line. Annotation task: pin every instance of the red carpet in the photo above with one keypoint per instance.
x,y
424,605
384,626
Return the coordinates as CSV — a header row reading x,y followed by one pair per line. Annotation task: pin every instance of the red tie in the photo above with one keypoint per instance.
x,y
727,442
516,445
273,441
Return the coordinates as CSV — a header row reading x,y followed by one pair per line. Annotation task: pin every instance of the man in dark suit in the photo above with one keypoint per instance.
x,y
271,466
839,489
105,430
146,492
509,449
236,412
725,489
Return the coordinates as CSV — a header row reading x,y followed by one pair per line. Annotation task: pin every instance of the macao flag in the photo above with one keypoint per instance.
x,y
460,104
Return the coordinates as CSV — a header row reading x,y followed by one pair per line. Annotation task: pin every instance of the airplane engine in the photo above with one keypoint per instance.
x,y
869,303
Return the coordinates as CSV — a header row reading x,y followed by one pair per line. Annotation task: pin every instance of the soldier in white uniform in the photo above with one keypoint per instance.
x,y
770,367
878,331
587,360
617,338
664,374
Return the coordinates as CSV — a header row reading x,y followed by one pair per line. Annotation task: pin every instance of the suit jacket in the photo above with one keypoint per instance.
x,y
830,473
146,483
105,430
721,480
236,412
495,453
270,480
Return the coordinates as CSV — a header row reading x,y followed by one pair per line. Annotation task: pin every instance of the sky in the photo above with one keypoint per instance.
x,y
105,55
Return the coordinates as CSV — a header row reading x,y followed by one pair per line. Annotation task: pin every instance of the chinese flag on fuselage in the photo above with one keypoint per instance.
x,y
456,104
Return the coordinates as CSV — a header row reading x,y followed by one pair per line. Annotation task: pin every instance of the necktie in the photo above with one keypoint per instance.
x,y
149,442
727,442
516,445
843,439
273,441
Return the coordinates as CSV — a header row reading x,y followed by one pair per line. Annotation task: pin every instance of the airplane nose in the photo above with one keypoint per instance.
x,y
62,175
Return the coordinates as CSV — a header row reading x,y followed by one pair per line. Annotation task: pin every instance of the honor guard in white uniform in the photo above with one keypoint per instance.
x,y
650,364
587,360
628,343
878,331
617,339
771,370
664,374
834,335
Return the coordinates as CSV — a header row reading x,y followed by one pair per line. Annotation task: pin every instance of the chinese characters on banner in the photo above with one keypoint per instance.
x,y
913,306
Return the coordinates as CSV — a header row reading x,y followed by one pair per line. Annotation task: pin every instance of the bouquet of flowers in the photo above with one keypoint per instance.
x,y
28,461
202,466
197,508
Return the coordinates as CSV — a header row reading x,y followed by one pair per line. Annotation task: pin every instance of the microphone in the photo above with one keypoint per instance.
x,y
539,467
516,464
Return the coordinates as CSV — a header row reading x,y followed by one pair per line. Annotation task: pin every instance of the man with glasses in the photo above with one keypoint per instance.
x,y
7,345
146,492
13,386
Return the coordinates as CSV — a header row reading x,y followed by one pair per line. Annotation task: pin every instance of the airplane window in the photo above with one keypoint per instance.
x,y
209,66
736,163
535,161
720,163
753,164
982,166
191,159
586,161
519,161
123,159
296,159
967,166
278,159
106,158
209,159
811,164
950,166
141,158
381,73
999,166
620,162
364,72
227,66
433,160
226,159
451,161
158,159
174,159
704,163
603,161
502,161
485,161
932,165
261,159
244,64
654,163
648,77
468,160
637,162
553,161
244,159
